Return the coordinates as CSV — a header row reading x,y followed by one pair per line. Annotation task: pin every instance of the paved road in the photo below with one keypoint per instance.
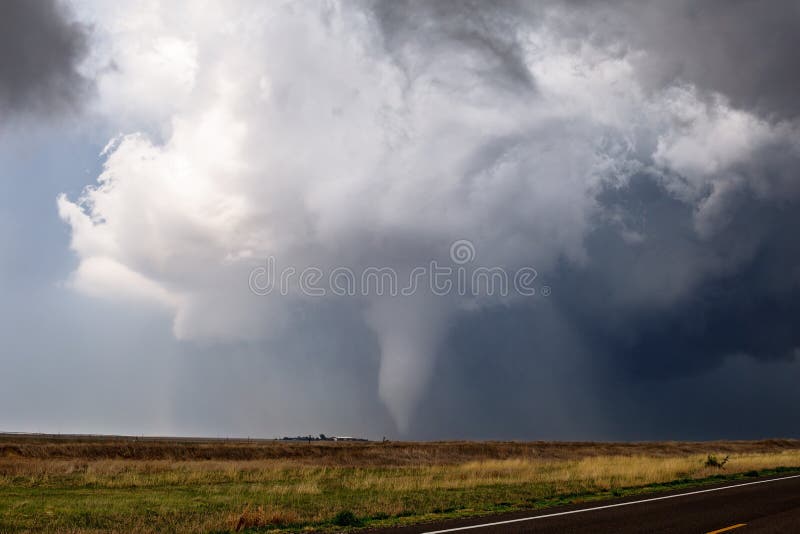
x,y
759,505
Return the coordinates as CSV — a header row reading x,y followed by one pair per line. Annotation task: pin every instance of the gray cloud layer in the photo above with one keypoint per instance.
x,y
745,49
40,50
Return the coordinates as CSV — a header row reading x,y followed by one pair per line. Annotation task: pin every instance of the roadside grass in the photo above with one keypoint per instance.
x,y
119,495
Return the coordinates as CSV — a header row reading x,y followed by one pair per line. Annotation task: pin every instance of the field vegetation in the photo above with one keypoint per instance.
x,y
127,485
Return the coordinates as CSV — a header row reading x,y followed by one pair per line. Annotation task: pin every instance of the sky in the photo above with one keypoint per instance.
x,y
422,220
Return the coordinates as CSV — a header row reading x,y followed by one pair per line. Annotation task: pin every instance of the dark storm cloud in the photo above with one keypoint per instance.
x,y
657,300
633,342
745,49
527,372
428,29
677,304
40,49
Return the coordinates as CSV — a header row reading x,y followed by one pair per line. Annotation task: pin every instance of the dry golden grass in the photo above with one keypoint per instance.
x,y
355,453
292,477
259,517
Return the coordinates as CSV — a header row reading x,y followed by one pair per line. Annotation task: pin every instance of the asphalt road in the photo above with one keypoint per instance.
x,y
758,505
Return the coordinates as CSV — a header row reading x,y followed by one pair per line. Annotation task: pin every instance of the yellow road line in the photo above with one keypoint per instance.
x,y
726,529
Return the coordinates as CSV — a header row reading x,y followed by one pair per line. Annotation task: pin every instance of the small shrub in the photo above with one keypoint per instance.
x,y
346,518
751,474
713,461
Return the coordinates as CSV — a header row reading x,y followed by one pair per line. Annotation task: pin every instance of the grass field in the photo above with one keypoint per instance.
x,y
82,485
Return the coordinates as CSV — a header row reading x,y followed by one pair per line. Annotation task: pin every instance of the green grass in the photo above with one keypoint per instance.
x,y
55,506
